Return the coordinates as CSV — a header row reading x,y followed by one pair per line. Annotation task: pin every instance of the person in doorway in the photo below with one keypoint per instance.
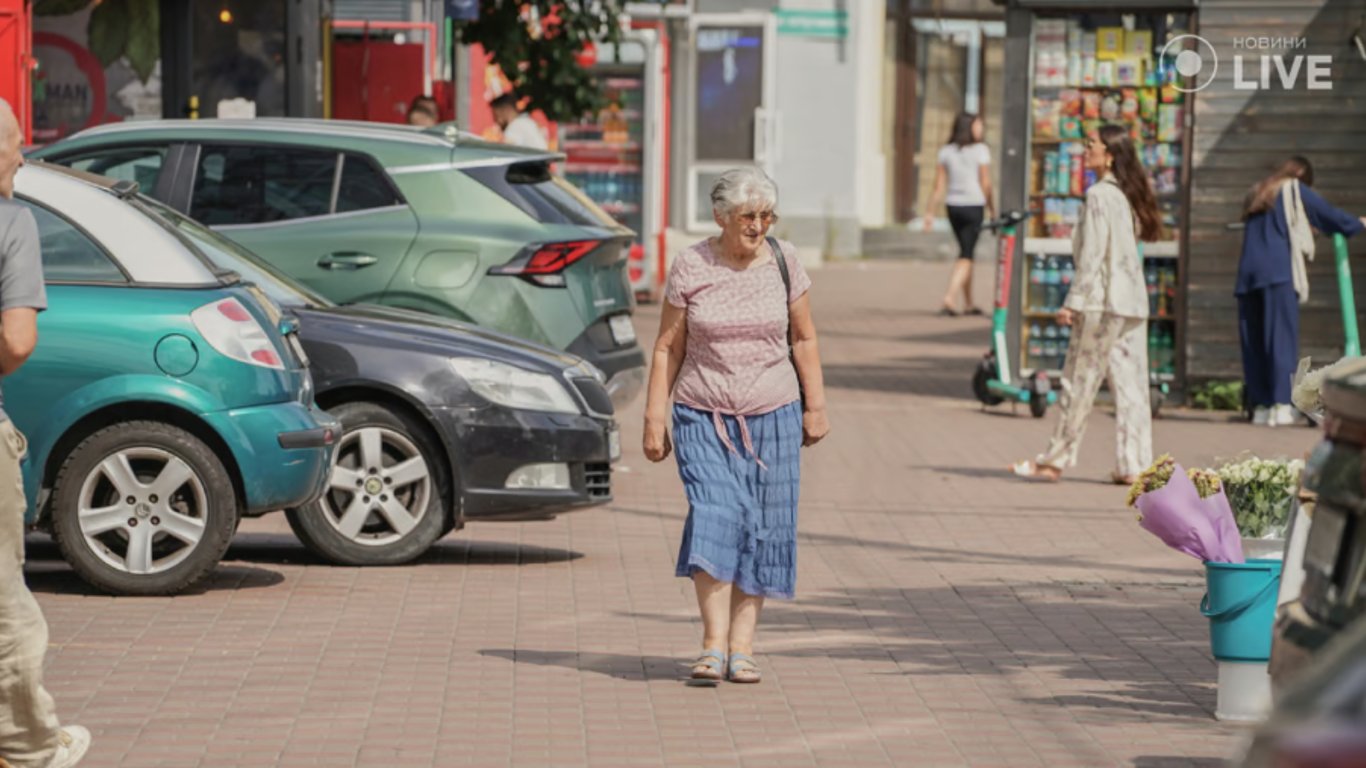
x,y
517,126
962,180
1107,308
30,736
1272,282
420,116
742,413
424,112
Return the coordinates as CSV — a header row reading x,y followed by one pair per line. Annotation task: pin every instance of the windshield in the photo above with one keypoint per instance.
x,y
227,255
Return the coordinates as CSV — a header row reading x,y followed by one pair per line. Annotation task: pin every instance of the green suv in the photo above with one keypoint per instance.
x,y
434,220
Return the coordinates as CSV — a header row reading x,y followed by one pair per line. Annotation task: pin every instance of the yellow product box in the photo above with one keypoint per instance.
x,y
1109,43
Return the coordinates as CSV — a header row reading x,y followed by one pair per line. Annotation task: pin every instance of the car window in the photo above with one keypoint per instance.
x,y
363,186
546,198
258,185
140,164
69,255
224,254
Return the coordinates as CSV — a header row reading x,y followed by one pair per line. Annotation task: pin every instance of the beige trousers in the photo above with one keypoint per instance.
x,y
28,716
1114,348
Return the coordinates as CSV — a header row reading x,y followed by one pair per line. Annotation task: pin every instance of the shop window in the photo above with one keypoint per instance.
x,y
69,255
239,53
259,185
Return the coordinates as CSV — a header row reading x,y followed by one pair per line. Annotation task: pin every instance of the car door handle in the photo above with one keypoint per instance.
x,y
346,260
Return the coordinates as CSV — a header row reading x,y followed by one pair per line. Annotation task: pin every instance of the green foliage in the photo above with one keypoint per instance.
x,y
536,42
117,29
1219,396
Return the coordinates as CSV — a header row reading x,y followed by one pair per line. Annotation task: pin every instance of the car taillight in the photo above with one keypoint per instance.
x,y
231,329
547,263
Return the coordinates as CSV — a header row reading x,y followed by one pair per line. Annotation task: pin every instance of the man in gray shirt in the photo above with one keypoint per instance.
x,y
30,736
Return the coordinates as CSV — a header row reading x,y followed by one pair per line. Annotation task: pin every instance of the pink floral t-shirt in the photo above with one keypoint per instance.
x,y
736,360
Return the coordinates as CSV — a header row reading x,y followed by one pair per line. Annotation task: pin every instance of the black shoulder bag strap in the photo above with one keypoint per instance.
x,y
787,301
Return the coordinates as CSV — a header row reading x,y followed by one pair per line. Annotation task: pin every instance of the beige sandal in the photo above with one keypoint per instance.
x,y
1039,473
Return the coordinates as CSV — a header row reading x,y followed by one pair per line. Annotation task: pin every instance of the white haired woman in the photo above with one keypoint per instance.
x,y
744,406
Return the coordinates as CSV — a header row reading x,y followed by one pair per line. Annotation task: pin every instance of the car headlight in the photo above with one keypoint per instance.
x,y
514,387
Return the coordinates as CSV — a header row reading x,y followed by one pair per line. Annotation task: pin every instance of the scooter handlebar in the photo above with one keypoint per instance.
x,y
1007,219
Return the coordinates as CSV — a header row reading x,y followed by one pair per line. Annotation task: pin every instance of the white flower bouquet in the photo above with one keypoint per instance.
x,y
1307,387
1262,494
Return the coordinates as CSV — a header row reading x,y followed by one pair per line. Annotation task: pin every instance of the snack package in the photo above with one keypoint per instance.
x,y
1109,43
1078,176
1088,70
1074,68
1046,118
1088,44
1138,43
1050,172
1170,122
1090,105
1128,105
1110,106
1128,71
1071,102
1167,156
1147,103
1070,128
1105,74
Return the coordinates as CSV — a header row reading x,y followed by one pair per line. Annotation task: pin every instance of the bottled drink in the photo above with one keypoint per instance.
x,y
1036,345
1036,277
1052,284
1150,277
1050,345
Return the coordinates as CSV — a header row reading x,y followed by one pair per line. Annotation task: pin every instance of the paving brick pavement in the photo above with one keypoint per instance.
x,y
946,614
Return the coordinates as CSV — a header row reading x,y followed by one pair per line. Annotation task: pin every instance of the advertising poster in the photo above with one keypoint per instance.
x,y
98,62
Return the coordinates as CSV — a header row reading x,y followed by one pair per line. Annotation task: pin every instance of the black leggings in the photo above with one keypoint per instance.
x,y
966,221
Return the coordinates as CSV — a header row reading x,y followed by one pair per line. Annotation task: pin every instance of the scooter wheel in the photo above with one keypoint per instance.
x,y
1038,404
986,371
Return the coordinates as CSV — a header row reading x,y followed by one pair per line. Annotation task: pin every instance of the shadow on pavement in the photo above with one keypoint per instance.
x,y
56,577
617,665
960,555
1104,636
1159,761
922,375
284,549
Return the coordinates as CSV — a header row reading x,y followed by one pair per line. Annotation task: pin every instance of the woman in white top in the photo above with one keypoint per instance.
x,y
963,183
1107,308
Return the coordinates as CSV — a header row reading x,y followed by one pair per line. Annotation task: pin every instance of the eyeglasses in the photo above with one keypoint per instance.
x,y
764,218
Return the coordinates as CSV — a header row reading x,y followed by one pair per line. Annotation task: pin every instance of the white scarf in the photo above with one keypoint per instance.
x,y
1301,237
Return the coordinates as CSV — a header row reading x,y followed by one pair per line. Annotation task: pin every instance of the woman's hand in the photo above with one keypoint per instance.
x,y
657,444
815,426
1066,316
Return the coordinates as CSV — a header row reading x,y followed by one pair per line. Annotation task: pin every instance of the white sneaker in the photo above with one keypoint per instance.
x,y
73,741
1283,415
1261,416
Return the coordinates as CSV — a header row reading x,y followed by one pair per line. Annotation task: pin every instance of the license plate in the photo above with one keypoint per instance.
x,y
1325,539
623,331
614,443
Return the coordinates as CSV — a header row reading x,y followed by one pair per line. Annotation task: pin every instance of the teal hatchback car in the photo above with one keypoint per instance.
x,y
436,221
165,399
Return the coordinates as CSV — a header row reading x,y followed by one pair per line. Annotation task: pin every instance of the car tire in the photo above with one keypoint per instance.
x,y
386,517
176,527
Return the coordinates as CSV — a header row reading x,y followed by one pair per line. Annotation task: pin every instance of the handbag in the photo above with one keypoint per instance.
x,y
787,293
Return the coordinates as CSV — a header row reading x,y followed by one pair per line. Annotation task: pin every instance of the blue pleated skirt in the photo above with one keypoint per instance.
x,y
742,518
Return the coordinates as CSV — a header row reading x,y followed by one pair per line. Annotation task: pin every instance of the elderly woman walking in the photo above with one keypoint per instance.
x,y
744,407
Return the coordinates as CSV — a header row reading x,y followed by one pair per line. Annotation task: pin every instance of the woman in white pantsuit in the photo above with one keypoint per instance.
x,y
1108,311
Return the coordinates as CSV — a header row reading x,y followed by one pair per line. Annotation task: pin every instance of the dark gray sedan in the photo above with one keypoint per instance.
x,y
443,422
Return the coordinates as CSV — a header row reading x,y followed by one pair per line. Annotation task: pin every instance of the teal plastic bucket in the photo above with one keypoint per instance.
x,y
1241,607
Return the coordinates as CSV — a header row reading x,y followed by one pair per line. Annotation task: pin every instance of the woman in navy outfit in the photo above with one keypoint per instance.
x,y
1268,304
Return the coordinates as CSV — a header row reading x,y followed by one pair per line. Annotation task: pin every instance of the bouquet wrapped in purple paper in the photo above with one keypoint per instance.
x,y
1187,511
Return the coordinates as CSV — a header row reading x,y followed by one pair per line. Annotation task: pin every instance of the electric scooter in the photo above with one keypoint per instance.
x,y
1347,298
992,381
